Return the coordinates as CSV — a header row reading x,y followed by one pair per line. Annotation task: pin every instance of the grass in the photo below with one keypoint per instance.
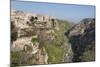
x,y
54,49
55,53
18,58
15,58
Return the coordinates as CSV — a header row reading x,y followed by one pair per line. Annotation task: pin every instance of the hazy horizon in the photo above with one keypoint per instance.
x,y
70,12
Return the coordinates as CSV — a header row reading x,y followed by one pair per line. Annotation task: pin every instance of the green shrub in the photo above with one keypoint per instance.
x,y
88,56
34,40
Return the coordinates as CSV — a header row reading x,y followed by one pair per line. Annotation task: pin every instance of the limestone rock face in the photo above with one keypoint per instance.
x,y
27,32
38,39
27,26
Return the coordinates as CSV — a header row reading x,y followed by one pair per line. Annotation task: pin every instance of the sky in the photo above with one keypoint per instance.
x,y
70,12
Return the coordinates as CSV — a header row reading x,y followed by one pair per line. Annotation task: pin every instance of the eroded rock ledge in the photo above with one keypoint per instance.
x,y
38,39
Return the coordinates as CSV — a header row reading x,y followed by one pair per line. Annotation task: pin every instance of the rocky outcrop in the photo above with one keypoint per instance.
x,y
31,34
40,39
82,39
26,29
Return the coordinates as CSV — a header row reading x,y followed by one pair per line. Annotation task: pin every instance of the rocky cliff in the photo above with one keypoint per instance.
x,y
82,39
42,39
38,39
